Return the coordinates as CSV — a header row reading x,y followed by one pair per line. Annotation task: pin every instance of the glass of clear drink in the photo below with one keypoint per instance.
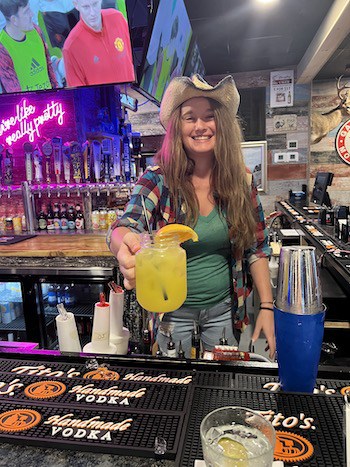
x,y
237,437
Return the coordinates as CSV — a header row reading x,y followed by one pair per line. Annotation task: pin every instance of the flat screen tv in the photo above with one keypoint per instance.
x,y
194,63
62,46
319,193
168,44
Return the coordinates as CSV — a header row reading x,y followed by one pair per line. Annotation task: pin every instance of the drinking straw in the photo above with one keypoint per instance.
x,y
165,295
146,217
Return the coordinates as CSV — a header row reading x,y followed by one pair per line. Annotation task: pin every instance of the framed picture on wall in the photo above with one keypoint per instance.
x,y
255,156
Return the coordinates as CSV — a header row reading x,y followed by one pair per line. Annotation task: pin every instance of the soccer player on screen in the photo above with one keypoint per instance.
x,y
98,48
25,64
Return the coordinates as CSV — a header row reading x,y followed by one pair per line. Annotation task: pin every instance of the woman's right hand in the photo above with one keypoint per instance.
x,y
129,246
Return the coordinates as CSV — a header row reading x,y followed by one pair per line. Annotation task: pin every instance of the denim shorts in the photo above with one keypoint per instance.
x,y
211,322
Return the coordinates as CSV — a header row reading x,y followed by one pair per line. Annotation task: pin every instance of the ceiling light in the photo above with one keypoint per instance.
x,y
266,2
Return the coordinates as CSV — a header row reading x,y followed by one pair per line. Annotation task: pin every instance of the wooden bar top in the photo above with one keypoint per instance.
x,y
61,245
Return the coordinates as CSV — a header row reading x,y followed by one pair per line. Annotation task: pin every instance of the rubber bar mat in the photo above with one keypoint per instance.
x,y
323,385
11,239
326,413
215,378
82,429
115,395
49,369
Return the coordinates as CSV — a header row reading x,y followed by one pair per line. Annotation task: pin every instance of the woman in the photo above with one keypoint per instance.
x,y
201,181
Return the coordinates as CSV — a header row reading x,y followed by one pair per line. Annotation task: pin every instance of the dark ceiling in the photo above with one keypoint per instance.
x,y
241,35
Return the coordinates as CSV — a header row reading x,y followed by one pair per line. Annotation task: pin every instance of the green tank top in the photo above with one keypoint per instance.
x,y
208,262
29,60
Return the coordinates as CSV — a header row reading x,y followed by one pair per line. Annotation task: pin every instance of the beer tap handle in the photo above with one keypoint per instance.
x,y
57,153
47,151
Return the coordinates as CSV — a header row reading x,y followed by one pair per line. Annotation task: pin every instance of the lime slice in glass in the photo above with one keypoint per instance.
x,y
233,449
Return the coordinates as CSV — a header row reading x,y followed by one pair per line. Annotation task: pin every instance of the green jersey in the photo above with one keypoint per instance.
x,y
29,60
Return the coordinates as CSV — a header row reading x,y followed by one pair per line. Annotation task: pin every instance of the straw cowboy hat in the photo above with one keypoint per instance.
x,y
182,88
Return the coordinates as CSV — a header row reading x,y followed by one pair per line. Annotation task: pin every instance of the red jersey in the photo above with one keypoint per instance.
x,y
92,57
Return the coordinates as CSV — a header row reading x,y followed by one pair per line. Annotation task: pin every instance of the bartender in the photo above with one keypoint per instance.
x,y
200,180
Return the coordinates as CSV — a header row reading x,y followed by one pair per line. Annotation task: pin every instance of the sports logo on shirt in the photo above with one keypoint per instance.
x,y
119,44
35,67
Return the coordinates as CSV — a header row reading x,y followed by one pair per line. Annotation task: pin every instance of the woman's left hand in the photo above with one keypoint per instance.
x,y
265,323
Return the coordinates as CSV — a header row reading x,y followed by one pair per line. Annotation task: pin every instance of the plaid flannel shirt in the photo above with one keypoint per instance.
x,y
160,209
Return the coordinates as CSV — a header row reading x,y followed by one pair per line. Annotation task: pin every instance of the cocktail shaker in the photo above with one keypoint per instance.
x,y
299,318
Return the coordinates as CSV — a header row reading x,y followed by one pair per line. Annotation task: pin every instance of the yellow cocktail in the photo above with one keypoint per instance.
x,y
161,280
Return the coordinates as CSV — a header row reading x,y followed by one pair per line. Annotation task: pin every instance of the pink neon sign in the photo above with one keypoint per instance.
x,y
28,122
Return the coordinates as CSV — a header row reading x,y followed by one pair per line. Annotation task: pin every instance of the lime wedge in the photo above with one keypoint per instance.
x,y
233,449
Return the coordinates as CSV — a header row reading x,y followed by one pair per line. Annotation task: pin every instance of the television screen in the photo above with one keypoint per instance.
x,y
55,43
167,48
194,62
319,194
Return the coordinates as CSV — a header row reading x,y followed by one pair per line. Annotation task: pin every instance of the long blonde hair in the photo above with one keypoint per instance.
x,y
228,180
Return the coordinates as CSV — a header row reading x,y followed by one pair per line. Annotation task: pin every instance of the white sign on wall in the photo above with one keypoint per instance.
x,y
281,88
342,142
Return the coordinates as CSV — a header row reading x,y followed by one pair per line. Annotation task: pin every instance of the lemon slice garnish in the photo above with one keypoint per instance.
x,y
182,232
233,449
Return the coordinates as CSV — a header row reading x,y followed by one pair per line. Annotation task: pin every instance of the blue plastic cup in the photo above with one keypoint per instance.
x,y
298,346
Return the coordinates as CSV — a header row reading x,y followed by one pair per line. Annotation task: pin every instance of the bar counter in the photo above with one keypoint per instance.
x,y
176,397
62,245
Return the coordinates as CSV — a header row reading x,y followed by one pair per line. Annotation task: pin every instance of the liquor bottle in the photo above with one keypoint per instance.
x,y
170,348
50,219
79,218
127,149
146,341
51,296
195,349
59,294
180,352
69,298
223,340
42,221
56,216
64,220
71,218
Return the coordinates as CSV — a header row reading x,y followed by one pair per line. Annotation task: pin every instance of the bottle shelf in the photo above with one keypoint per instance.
x,y
78,310
18,324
